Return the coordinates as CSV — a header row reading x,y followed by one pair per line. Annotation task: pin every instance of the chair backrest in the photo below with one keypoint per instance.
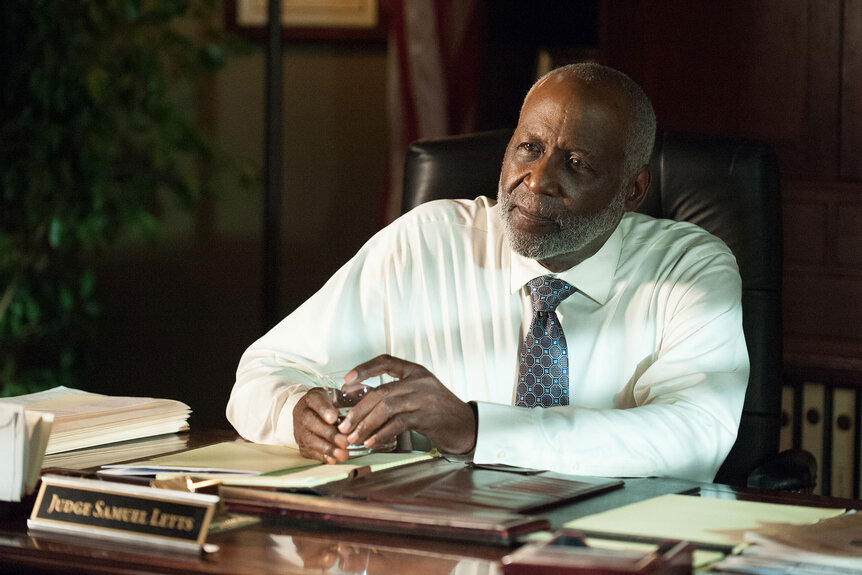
x,y
727,186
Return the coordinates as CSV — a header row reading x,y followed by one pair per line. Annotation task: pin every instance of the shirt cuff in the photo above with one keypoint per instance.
x,y
494,444
468,456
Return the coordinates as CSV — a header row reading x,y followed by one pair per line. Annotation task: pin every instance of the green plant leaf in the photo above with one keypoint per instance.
x,y
88,284
32,313
55,232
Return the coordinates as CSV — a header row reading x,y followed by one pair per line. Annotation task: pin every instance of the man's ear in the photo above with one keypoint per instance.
x,y
637,189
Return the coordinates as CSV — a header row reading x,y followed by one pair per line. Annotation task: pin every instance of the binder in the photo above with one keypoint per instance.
x,y
813,404
788,398
843,441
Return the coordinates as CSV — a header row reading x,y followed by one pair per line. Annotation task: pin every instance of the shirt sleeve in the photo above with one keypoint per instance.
x,y
687,398
332,332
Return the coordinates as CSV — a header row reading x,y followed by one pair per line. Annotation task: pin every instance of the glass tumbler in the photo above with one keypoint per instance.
x,y
344,399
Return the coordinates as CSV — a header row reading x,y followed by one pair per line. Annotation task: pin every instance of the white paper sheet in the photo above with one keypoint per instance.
x,y
23,438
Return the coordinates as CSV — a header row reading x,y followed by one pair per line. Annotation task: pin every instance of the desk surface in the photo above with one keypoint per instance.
x,y
285,547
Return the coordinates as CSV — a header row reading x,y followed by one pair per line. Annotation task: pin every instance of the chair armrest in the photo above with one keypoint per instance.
x,y
790,470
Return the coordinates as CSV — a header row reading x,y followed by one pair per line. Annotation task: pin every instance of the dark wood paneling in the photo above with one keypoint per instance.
x,y
848,235
788,72
851,109
816,154
767,70
805,231
822,272
823,227
817,306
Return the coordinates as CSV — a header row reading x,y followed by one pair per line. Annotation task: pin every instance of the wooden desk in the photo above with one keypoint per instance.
x,y
284,547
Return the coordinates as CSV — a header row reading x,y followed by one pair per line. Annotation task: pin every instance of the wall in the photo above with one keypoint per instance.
x,y
788,72
180,313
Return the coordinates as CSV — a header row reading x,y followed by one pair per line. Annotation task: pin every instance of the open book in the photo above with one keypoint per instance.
x,y
84,419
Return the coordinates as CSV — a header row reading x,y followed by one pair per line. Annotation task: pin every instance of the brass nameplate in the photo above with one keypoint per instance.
x,y
130,513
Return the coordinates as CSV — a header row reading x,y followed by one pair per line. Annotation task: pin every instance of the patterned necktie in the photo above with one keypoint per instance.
x,y
544,370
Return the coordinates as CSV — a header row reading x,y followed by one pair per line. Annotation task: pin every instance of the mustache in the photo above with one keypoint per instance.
x,y
536,205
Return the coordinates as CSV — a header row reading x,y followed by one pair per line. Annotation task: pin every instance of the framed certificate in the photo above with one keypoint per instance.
x,y
309,19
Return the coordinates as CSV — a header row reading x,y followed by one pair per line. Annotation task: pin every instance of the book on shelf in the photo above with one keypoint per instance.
x,y
84,419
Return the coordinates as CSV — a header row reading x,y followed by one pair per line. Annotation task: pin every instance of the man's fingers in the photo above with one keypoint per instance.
x,y
382,364
417,401
314,447
318,439
384,399
387,406
317,401
392,428
315,434
309,421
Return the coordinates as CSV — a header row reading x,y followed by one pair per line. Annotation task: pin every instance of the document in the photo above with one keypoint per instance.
x,y
702,520
323,474
835,542
255,465
84,419
238,457
23,439
829,547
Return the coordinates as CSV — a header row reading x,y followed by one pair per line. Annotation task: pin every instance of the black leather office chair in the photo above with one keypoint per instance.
x,y
728,187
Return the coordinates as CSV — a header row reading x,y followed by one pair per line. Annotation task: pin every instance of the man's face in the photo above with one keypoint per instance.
x,y
562,189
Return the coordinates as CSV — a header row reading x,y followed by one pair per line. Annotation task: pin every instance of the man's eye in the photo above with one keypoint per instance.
x,y
577,163
529,147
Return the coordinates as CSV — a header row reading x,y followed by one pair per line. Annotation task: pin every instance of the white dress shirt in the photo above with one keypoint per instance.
x,y
658,363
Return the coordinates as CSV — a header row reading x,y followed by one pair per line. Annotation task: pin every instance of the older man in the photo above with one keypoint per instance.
x,y
622,332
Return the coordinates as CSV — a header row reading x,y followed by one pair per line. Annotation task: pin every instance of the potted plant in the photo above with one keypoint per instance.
x,y
98,129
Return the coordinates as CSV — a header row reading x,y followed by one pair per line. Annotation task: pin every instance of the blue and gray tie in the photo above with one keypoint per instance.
x,y
543,378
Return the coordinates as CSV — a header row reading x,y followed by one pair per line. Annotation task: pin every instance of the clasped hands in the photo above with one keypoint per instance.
x,y
416,401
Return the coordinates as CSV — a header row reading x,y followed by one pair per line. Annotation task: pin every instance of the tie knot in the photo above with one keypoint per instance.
x,y
547,292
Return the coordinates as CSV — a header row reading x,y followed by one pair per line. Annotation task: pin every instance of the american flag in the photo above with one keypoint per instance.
x,y
431,92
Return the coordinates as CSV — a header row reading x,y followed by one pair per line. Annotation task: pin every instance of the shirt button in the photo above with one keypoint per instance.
x,y
501,454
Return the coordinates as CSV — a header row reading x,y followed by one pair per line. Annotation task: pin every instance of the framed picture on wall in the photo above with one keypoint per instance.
x,y
309,19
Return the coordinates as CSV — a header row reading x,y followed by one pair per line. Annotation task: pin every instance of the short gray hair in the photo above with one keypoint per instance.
x,y
642,123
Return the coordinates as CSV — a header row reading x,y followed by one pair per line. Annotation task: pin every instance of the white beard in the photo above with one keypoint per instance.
x,y
574,234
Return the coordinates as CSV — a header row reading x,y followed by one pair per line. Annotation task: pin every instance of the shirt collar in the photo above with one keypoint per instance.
x,y
593,277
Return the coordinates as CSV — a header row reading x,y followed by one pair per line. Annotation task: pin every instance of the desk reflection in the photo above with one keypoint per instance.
x,y
321,555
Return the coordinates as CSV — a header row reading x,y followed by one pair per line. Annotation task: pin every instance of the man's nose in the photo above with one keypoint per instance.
x,y
543,177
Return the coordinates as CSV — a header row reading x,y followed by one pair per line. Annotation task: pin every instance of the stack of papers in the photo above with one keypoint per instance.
x,y
123,451
84,419
23,437
830,546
